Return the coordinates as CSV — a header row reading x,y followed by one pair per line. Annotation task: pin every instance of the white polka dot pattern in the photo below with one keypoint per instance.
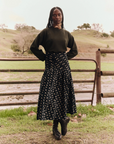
x,y
56,97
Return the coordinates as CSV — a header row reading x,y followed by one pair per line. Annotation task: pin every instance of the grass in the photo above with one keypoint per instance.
x,y
107,66
12,76
22,65
17,127
41,65
17,120
90,111
91,37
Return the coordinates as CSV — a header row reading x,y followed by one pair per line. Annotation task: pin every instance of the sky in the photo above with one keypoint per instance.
x,y
76,13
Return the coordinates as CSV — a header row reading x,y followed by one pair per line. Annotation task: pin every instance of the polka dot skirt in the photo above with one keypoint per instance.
x,y
56,97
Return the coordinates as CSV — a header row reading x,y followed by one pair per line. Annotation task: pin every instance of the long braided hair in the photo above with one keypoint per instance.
x,y
50,17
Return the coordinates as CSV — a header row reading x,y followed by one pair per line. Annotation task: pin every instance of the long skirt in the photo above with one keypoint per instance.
x,y
56,97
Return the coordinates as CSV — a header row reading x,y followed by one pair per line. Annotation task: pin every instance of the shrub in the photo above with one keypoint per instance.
x,y
107,46
105,35
112,33
103,54
29,52
15,48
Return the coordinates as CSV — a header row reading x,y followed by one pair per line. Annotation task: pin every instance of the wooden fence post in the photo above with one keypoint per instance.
x,y
98,77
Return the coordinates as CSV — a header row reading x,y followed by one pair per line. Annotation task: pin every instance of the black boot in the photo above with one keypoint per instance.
x,y
56,133
64,123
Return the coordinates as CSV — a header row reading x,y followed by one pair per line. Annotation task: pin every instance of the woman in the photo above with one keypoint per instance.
x,y
56,97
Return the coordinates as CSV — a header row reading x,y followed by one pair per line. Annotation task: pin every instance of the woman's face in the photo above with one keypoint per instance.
x,y
57,17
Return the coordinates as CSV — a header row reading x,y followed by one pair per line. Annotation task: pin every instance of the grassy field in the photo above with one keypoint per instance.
x,y
105,66
23,129
41,65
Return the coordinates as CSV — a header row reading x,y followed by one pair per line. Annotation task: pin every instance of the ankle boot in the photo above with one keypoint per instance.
x,y
56,133
64,123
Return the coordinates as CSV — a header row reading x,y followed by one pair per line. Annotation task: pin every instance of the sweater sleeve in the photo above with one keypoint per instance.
x,y
39,40
73,47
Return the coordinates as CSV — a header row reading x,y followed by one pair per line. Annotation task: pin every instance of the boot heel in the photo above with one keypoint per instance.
x,y
64,125
56,133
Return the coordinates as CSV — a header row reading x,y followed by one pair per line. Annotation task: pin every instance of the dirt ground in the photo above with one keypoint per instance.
x,y
48,138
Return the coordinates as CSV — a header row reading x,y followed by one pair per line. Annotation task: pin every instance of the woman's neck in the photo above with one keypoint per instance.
x,y
57,26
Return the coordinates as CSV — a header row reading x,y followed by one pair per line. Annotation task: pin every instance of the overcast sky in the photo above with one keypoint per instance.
x,y
76,12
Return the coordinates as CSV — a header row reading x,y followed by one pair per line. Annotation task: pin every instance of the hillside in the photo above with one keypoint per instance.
x,y
88,42
10,38
6,39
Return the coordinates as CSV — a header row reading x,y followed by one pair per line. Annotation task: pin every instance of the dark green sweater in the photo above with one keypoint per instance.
x,y
54,40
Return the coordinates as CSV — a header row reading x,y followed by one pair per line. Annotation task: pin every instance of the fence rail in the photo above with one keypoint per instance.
x,y
107,95
107,73
106,51
42,70
102,73
29,82
33,102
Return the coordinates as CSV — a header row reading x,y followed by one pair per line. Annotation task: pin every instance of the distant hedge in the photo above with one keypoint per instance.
x,y
104,35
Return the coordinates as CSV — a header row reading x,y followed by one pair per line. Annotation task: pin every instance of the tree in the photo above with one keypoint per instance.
x,y
97,27
84,26
26,37
24,27
3,27
79,27
112,33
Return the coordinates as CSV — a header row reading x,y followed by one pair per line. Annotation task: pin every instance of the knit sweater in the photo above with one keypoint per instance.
x,y
54,40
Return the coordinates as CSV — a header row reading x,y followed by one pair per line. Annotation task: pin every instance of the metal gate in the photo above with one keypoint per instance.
x,y
41,70
102,73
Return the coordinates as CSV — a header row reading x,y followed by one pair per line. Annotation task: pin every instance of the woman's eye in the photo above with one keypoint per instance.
x,y
56,15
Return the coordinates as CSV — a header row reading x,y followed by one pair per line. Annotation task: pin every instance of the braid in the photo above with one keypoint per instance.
x,y
50,17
